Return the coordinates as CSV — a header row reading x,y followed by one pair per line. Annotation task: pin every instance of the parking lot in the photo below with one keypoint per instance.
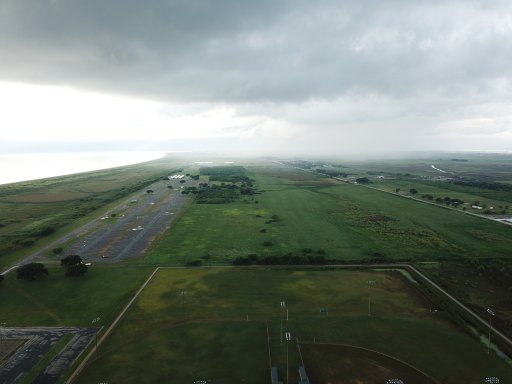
x,y
32,343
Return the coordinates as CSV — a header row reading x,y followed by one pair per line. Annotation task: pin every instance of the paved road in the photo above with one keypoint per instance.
x,y
37,342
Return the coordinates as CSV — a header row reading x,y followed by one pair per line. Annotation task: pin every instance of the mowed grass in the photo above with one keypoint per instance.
x,y
348,222
55,300
210,324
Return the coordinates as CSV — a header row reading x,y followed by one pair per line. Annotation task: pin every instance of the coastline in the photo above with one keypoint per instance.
x,y
34,166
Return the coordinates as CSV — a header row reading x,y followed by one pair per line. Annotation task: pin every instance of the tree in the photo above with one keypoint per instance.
x,y
397,190
58,250
76,270
31,271
150,191
363,180
413,191
1,278
70,260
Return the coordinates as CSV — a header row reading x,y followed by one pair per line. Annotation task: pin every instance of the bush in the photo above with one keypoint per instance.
x,y
31,271
76,270
194,263
287,259
58,250
28,243
70,260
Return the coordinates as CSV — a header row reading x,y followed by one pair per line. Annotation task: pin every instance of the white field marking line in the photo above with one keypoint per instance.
x,y
379,353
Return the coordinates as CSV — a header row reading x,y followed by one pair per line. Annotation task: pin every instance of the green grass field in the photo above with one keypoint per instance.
x,y
210,324
348,222
294,212
55,300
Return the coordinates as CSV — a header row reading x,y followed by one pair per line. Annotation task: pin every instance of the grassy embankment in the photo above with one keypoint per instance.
x,y
209,324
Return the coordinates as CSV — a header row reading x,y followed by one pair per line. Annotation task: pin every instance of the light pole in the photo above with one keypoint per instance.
x,y
491,313
370,283
282,331
283,306
182,294
288,338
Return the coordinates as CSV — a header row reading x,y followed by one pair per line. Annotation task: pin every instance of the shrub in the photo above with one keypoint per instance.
x,y
31,271
76,270
70,260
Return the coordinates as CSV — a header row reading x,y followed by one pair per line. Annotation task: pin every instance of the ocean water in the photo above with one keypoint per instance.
x,y
31,166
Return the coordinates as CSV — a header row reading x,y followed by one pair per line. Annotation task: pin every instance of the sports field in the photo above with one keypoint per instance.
x,y
211,324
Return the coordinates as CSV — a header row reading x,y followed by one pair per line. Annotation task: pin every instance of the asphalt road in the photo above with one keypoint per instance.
x,y
114,239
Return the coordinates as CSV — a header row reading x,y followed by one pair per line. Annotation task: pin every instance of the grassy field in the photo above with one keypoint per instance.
x,y
418,173
55,300
35,212
297,211
210,324
293,212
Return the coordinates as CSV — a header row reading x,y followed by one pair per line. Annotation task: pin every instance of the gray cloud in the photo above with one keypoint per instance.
x,y
265,50
331,66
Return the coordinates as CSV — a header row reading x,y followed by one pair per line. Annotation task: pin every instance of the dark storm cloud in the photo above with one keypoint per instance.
x,y
293,75
258,50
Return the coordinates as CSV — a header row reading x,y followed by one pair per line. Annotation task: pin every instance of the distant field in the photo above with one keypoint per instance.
x,y
347,222
210,324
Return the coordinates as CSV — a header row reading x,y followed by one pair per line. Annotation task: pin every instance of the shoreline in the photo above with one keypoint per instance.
x,y
25,167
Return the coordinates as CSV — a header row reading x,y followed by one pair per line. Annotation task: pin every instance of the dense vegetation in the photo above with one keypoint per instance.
x,y
288,259
231,173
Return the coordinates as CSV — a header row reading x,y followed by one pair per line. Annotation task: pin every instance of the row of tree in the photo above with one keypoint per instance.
x,y
72,264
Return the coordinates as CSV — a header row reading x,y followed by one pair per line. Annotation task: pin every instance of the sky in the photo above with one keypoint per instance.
x,y
255,77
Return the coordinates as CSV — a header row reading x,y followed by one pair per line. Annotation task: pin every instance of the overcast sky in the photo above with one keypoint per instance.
x,y
292,77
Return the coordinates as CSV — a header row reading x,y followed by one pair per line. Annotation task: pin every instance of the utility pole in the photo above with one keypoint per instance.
x,y
182,294
370,283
